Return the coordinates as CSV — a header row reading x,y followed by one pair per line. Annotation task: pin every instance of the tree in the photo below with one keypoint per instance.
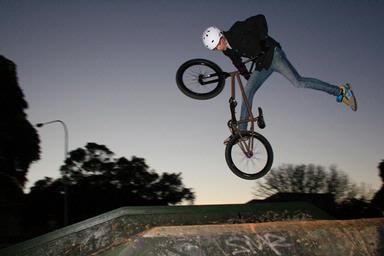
x,y
97,182
19,147
309,179
378,199
44,209
19,141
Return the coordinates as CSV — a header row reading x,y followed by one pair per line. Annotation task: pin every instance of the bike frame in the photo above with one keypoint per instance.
x,y
247,148
235,76
203,79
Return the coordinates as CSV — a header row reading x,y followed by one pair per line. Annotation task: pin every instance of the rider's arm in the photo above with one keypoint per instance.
x,y
236,60
258,23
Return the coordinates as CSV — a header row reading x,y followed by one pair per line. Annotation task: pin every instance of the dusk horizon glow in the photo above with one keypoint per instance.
x,y
107,69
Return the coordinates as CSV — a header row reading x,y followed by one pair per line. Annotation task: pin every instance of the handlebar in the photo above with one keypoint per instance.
x,y
226,74
249,60
253,60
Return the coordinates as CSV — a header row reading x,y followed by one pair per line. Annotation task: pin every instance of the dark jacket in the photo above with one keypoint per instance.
x,y
249,38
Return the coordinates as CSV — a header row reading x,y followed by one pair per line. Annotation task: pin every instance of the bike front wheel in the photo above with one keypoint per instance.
x,y
200,79
249,155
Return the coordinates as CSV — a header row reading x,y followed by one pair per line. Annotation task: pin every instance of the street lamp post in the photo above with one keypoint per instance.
x,y
65,158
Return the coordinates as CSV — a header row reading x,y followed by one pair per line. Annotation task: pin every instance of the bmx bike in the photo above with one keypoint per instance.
x,y
248,154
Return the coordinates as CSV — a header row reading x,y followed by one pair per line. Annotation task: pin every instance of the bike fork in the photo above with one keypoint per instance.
x,y
245,144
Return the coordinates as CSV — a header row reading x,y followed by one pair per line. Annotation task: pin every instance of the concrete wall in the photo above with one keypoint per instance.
x,y
110,230
352,237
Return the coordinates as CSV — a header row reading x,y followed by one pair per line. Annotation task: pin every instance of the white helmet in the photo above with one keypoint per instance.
x,y
211,37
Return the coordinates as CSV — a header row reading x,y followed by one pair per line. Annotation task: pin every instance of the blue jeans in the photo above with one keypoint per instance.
x,y
281,64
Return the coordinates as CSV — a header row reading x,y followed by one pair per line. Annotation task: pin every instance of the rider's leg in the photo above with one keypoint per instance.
x,y
255,81
282,65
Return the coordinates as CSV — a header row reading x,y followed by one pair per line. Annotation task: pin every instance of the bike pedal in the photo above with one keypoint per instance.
x,y
260,119
260,111
261,123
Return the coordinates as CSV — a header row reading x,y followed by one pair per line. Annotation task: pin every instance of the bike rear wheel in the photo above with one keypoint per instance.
x,y
200,79
249,164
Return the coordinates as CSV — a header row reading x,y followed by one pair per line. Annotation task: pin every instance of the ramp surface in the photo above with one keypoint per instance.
x,y
353,237
108,233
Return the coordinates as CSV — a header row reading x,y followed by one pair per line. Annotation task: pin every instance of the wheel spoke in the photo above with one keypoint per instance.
x,y
249,155
191,78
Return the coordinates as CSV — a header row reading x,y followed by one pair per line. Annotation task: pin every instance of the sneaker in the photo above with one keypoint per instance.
x,y
347,96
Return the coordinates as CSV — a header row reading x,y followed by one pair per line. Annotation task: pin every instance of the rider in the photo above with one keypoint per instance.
x,y
249,38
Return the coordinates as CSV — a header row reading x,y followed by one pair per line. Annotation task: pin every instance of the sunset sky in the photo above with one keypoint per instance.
x,y
107,69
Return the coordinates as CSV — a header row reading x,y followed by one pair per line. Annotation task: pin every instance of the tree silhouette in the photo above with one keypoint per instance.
x,y
309,179
97,182
19,147
19,141
378,200
44,207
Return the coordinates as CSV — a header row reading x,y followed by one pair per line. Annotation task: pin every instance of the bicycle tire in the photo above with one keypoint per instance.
x,y
234,166
218,85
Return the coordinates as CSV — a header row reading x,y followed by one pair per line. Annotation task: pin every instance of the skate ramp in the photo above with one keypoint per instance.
x,y
352,237
108,234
